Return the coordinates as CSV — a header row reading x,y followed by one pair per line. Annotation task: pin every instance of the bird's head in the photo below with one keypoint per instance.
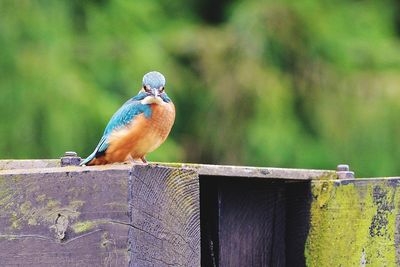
x,y
154,88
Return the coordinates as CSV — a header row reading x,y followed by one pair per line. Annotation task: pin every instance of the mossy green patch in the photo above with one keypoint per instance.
x,y
177,165
14,220
23,203
53,203
84,226
352,224
5,192
322,192
329,175
25,207
41,198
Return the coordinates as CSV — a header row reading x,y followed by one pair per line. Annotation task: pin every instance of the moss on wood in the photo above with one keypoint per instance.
x,y
352,224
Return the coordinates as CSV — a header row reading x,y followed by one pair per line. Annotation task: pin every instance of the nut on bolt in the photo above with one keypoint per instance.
x,y
70,158
343,172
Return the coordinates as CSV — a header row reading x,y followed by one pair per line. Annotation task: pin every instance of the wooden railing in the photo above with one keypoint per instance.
x,y
193,215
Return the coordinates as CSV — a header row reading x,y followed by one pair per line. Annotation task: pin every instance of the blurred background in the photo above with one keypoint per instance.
x,y
305,83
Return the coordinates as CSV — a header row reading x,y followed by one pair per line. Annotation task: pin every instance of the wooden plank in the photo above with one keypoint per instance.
x,y
68,169
202,169
64,219
354,223
28,164
261,172
165,215
99,216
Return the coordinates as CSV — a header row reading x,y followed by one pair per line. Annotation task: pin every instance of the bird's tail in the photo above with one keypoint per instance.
x,y
88,159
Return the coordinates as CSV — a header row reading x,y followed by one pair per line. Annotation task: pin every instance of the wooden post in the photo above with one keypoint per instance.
x,y
354,223
99,216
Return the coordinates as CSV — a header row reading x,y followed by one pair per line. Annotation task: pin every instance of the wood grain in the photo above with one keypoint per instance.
x,y
64,219
164,213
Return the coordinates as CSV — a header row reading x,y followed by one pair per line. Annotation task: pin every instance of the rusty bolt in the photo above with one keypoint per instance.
x,y
70,158
343,172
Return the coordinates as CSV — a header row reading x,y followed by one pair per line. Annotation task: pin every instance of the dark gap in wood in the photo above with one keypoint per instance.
x,y
209,220
253,222
298,204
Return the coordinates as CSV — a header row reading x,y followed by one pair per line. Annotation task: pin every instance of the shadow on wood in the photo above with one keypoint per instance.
x,y
253,222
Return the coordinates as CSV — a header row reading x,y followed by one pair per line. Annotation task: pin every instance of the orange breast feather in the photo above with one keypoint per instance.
x,y
142,135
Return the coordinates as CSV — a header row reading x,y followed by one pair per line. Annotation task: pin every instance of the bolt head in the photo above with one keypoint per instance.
x,y
70,158
343,168
70,154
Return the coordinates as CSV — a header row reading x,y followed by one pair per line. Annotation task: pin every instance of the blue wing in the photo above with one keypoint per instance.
x,y
120,119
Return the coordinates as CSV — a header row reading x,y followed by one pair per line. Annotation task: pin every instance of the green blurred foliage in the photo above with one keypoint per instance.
x,y
305,83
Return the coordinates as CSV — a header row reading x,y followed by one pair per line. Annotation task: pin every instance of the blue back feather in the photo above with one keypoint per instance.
x,y
120,119
123,117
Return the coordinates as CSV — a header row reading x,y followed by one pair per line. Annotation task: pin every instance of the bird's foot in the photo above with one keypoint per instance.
x,y
137,161
144,160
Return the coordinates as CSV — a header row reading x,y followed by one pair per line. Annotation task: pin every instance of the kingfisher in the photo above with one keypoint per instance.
x,y
137,128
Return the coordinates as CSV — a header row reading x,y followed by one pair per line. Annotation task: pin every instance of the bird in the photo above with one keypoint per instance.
x,y
139,127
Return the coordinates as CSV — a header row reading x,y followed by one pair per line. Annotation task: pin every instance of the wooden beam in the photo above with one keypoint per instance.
x,y
202,169
11,164
99,216
64,218
148,215
261,172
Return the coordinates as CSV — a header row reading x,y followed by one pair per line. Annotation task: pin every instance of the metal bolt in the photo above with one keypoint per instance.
x,y
342,168
343,172
70,158
70,154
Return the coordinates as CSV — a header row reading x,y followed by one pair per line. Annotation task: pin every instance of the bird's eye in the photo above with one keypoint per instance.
x,y
162,89
147,89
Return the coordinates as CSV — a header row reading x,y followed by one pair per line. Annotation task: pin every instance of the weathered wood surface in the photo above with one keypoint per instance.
x,y
28,164
261,172
354,223
201,169
64,218
149,216
99,216
164,209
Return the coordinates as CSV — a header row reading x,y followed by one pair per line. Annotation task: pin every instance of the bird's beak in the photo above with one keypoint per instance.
x,y
155,92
